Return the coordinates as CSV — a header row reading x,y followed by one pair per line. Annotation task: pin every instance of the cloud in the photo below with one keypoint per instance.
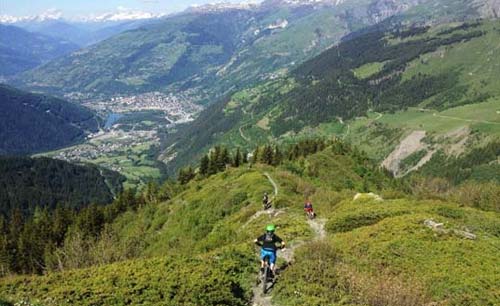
x,y
149,1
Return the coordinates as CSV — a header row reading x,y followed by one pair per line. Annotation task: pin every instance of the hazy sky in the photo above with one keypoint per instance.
x,y
71,8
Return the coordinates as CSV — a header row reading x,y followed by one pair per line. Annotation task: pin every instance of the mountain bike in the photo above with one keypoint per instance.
x,y
268,205
266,275
310,214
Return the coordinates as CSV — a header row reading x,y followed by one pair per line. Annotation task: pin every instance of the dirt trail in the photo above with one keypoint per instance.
x,y
318,227
271,212
465,120
247,139
270,179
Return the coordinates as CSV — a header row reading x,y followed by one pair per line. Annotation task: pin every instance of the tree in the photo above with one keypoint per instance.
x,y
224,159
204,165
5,256
245,157
278,157
61,219
150,195
267,155
237,160
214,159
256,155
186,175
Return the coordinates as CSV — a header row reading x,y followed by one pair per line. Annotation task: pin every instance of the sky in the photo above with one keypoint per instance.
x,y
74,8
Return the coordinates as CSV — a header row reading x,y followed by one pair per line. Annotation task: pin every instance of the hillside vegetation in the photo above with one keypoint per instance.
x,y
27,184
16,56
31,123
373,90
191,243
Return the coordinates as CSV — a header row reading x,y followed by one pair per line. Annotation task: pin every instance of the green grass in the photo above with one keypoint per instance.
x,y
452,119
384,249
476,63
367,70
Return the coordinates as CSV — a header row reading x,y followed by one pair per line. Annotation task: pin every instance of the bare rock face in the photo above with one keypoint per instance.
x,y
382,9
411,144
488,8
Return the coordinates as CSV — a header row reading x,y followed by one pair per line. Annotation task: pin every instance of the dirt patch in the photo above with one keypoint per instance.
x,y
459,138
264,123
411,144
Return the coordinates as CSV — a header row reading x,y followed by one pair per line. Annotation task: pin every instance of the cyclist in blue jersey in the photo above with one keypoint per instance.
x,y
268,242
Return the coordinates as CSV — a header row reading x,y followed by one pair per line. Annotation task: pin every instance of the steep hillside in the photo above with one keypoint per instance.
x,y
209,50
399,80
198,245
33,123
27,184
21,50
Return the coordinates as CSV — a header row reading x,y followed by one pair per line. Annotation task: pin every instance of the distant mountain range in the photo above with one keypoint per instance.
x,y
21,50
209,50
31,123
121,14
82,31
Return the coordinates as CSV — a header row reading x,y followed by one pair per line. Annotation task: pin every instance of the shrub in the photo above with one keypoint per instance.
x,y
485,196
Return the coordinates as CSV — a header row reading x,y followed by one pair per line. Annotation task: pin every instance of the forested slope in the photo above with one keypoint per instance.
x,y
28,184
32,123
16,56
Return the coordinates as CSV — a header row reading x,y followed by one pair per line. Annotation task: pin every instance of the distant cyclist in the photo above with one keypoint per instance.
x,y
265,200
269,242
308,209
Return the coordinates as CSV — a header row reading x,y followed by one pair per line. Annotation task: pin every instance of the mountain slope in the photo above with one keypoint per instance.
x,y
208,51
80,33
27,184
379,70
21,50
373,250
34,123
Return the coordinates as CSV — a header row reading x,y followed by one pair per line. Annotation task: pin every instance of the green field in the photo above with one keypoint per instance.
x,y
483,117
136,161
367,70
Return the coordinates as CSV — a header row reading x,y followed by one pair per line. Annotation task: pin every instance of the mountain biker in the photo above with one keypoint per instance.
x,y
268,243
308,207
265,200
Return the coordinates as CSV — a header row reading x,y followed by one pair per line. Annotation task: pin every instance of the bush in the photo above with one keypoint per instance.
x,y
484,196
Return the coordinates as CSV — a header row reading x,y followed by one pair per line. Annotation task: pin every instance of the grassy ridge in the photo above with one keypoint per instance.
x,y
373,251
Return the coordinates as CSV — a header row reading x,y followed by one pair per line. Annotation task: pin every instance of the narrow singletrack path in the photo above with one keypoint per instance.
x,y
246,138
270,179
318,227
